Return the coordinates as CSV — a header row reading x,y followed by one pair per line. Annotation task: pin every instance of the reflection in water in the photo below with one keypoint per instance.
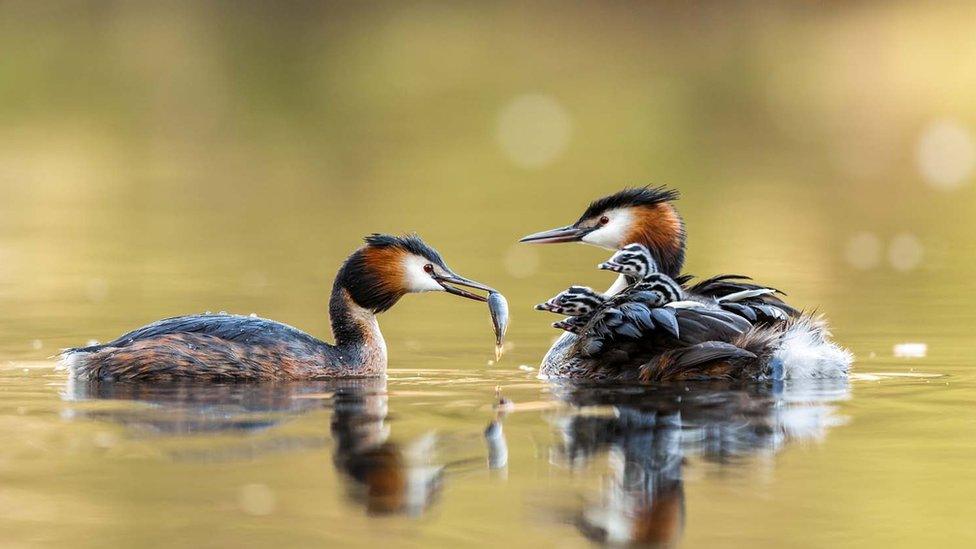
x,y
388,478
385,477
649,434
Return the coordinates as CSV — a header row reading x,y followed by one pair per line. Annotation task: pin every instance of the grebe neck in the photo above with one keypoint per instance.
x,y
662,231
359,344
618,285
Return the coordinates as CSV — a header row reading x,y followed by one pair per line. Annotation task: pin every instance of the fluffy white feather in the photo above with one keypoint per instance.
x,y
74,363
805,352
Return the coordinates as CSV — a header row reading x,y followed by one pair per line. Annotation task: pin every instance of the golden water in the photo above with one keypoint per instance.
x,y
161,161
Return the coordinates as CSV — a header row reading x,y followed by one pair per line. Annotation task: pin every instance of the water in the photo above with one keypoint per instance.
x,y
179,158
424,458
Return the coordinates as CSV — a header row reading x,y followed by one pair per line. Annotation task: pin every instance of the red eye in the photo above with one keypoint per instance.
x,y
604,220
429,268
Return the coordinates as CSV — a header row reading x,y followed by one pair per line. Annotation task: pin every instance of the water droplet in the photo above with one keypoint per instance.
x,y
910,350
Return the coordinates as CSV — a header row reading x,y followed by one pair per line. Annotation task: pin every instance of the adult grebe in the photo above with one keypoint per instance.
x,y
651,325
234,347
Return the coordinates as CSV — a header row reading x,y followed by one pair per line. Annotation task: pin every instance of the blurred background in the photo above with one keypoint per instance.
x,y
165,158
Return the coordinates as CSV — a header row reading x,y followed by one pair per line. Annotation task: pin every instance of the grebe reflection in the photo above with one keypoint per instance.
x,y
649,436
383,475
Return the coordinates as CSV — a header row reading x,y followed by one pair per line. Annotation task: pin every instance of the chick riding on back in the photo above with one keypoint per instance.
x,y
656,326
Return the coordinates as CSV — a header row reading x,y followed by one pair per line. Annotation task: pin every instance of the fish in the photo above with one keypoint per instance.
x,y
498,307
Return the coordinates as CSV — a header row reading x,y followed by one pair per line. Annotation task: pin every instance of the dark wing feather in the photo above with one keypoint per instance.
x,y
699,325
723,285
639,314
666,318
706,360
744,311
624,332
239,328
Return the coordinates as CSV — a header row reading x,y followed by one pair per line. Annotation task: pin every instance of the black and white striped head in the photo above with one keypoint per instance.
x,y
633,260
656,289
574,301
572,324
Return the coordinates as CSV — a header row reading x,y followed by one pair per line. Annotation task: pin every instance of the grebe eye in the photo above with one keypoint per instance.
x,y
604,220
429,268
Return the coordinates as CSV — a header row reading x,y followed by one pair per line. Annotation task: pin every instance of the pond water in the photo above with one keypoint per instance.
x,y
425,457
173,158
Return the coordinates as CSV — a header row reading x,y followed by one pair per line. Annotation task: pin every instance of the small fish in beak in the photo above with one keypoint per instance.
x,y
498,307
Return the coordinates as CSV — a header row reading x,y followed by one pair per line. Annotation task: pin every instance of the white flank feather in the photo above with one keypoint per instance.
x,y
806,353
74,363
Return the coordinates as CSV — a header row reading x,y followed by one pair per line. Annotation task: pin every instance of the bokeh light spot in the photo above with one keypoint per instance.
x,y
533,130
946,154
863,251
905,252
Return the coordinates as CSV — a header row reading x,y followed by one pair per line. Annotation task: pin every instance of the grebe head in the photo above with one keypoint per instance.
x,y
573,301
642,215
633,260
389,267
572,324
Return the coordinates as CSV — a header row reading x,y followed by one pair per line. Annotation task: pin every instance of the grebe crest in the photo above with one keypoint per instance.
x,y
642,215
388,267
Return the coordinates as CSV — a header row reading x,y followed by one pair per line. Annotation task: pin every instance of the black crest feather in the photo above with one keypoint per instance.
x,y
366,288
409,243
638,196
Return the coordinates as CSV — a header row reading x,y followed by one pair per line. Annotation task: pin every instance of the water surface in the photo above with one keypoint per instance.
x,y
158,160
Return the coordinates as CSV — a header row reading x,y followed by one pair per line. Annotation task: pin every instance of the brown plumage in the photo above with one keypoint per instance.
x,y
660,228
246,348
211,358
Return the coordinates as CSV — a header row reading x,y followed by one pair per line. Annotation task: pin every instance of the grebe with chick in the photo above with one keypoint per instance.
x,y
224,347
653,325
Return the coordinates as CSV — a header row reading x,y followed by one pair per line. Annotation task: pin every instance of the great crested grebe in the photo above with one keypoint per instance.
x,y
653,325
234,347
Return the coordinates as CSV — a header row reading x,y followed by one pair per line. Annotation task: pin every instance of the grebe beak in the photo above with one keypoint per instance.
x,y
569,233
457,280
